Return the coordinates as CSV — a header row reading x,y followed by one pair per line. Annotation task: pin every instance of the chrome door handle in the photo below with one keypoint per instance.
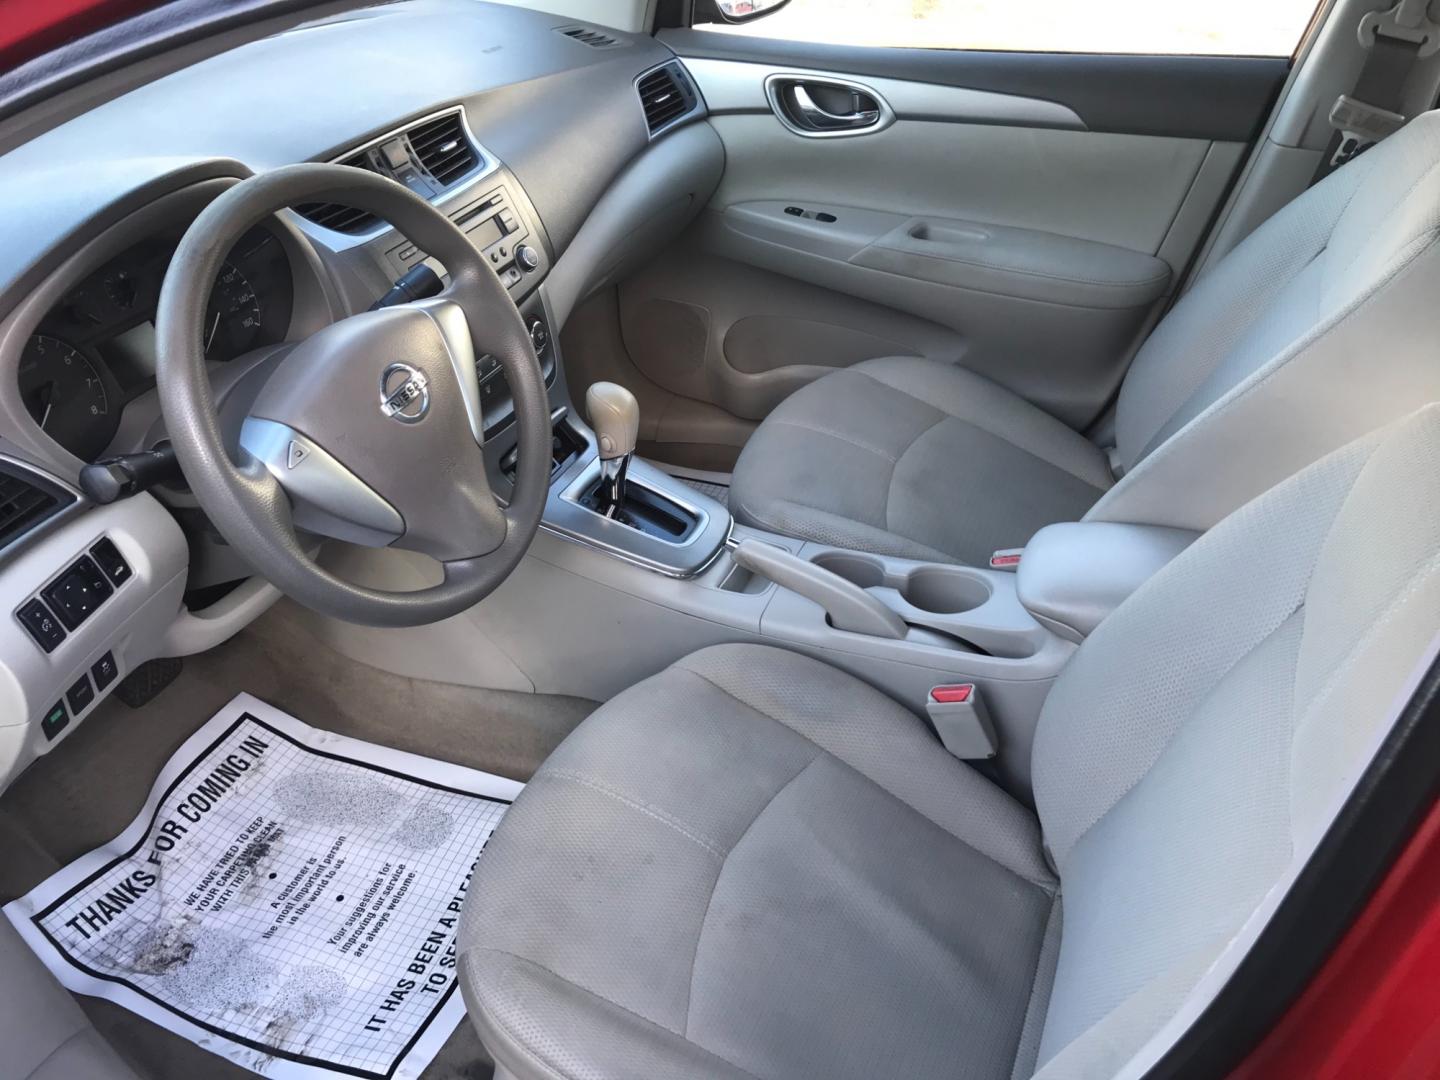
x,y
822,119
792,97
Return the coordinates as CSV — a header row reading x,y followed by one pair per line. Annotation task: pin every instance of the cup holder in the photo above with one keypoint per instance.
x,y
856,569
943,591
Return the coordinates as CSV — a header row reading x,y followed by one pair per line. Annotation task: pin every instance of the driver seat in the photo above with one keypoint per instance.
x,y
753,865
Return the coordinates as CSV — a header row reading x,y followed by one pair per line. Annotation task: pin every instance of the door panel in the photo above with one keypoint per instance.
x,y
1021,214
1220,98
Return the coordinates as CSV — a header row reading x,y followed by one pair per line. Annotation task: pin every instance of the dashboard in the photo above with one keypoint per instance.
x,y
561,171
95,351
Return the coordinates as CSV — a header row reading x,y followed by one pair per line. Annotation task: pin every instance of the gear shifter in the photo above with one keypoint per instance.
x,y
615,416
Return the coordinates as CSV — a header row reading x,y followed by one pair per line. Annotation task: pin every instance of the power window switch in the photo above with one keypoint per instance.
x,y
44,627
104,670
80,695
54,721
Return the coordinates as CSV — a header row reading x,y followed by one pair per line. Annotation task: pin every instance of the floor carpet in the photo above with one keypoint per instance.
x,y
94,783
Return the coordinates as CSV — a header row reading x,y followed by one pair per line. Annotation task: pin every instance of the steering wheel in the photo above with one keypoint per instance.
x,y
370,430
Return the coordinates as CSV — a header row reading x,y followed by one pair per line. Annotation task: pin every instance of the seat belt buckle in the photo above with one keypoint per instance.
x,y
1360,125
962,721
1006,559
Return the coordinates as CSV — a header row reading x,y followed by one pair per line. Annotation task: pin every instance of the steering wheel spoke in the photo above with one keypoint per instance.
x,y
454,327
325,497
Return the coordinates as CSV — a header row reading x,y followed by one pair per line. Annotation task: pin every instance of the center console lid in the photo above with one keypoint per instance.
x,y
1074,574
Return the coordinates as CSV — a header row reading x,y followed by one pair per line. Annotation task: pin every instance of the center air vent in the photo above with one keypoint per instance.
x,y
586,36
441,148
26,500
429,158
666,95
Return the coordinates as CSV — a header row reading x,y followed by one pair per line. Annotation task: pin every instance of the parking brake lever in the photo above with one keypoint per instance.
x,y
849,606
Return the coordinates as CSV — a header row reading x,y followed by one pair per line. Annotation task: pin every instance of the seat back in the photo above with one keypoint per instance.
x,y
1319,327
1202,739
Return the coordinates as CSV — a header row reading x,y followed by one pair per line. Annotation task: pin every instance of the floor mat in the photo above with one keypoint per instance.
x,y
719,492
287,898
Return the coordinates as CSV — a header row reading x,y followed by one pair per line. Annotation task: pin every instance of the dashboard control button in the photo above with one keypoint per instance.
x,y
43,627
104,670
507,221
78,592
526,257
539,334
112,562
54,721
80,695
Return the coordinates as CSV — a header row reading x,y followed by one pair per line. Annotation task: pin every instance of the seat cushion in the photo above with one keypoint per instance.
x,y
914,458
754,865
43,1031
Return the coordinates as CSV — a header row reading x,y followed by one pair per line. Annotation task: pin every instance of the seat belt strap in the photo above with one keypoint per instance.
x,y
1394,41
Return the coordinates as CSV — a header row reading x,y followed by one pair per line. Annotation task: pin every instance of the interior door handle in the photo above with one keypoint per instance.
x,y
822,119
808,105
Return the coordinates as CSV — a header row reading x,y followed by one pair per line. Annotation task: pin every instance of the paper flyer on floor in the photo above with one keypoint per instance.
x,y
287,898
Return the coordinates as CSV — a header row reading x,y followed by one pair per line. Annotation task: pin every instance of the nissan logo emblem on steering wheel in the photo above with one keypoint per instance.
x,y
404,393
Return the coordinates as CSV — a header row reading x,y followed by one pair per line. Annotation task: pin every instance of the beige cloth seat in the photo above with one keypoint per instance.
x,y
1319,327
754,865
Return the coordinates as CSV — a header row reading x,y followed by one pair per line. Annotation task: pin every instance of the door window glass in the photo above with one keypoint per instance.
x,y
1212,28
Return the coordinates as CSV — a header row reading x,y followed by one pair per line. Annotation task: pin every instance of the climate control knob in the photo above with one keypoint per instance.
x,y
526,258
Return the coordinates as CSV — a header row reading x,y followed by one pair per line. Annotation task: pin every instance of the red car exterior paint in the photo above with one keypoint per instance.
x,y
1374,1008
31,27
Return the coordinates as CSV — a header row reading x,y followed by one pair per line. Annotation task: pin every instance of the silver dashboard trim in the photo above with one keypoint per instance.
x,y
492,165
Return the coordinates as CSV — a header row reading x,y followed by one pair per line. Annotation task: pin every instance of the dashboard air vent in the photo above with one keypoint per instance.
x,y
345,219
442,149
586,36
666,96
26,501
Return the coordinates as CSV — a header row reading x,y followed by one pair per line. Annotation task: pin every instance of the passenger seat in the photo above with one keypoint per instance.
x,y
1322,326
44,1034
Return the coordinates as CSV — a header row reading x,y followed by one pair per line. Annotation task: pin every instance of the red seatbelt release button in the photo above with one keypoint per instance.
x,y
1006,559
955,694
962,721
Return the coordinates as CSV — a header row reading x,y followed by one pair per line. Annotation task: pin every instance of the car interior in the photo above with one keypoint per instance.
x,y
944,533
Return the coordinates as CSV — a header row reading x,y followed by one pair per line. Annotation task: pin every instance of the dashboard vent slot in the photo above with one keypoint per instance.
x,y
443,150
594,38
25,502
345,219
666,96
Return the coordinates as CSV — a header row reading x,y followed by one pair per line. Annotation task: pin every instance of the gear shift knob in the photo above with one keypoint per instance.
x,y
615,416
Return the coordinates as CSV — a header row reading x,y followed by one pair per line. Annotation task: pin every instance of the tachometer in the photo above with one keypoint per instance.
x,y
232,321
67,394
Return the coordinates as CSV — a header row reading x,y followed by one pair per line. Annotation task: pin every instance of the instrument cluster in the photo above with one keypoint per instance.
x,y
95,350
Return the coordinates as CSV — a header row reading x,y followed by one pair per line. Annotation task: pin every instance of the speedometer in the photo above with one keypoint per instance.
x,y
68,395
232,321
